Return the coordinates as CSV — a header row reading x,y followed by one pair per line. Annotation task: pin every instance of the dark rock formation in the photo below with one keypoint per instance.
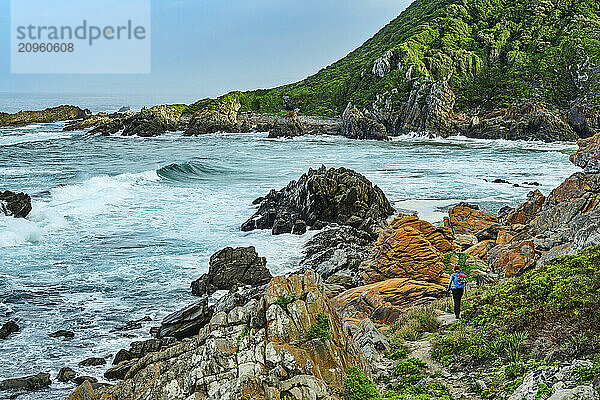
x,y
187,322
62,333
357,125
83,378
230,268
335,195
588,155
120,370
8,328
14,204
92,362
133,324
584,119
153,121
338,252
65,374
33,382
288,127
53,114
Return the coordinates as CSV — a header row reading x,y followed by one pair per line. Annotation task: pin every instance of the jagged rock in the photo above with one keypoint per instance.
x,y
13,204
133,324
33,382
408,248
584,119
259,350
385,301
120,370
467,219
371,342
232,267
139,349
187,322
337,251
527,211
152,121
222,116
62,333
91,121
384,64
8,328
79,380
124,109
481,249
289,127
336,195
65,374
92,362
52,114
357,125
557,378
588,155
428,110
512,259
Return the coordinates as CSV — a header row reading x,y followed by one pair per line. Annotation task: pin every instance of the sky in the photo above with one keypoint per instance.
x,y
209,47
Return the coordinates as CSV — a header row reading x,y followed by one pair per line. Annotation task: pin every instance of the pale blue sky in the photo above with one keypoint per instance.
x,y
209,47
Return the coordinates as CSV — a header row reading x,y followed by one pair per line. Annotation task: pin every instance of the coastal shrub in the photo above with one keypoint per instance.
x,y
283,301
359,387
320,329
463,263
399,354
410,371
244,333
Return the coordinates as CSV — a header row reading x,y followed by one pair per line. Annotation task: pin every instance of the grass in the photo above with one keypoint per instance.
x,y
283,301
412,324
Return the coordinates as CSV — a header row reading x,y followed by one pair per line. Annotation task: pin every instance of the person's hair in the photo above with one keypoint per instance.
x,y
456,268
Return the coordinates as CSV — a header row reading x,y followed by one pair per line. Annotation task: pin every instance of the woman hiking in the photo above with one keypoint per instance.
x,y
458,280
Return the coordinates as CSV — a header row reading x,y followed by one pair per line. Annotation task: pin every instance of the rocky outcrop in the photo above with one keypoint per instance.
x,y
8,328
336,253
513,258
584,119
588,155
219,116
52,114
527,211
334,195
153,121
521,122
260,350
16,205
385,64
467,219
92,362
288,127
230,268
66,374
33,382
562,380
358,125
186,322
409,248
385,301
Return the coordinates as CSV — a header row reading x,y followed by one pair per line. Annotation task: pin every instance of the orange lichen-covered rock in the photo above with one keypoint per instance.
x,y
504,237
259,350
527,211
409,248
511,260
480,250
588,155
384,301
466,219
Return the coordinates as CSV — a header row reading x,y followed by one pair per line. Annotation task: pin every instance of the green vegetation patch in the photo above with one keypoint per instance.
x,y
320,329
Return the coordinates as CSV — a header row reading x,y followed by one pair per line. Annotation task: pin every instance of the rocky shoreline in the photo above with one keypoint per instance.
x,y
296,337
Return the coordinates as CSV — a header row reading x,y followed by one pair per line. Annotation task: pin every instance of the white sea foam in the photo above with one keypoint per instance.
x,y
18,231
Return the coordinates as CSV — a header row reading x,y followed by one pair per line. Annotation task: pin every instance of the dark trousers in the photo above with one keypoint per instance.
x,y
457,295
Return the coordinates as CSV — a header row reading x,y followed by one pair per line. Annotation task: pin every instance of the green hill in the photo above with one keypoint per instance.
x,y
495,52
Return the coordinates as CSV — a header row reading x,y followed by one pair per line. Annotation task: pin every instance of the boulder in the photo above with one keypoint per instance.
x,y
588,155
187,322
288,127
79,380
33,382
262,349
334,195
481,249
220,115
512,259
584,119
16,205
139,349
92,362
119,371
467,219
52,114
357,125
385,301
337,251
371,342
8,328
230,268
527,211
408,248
65,374
62,333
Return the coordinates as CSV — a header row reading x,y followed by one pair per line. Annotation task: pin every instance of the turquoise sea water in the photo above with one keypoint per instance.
x,y
121,226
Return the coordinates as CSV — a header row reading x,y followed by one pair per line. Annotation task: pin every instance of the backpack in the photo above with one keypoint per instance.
x,y
462,279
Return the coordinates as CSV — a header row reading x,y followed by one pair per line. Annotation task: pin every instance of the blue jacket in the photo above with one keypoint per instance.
x,y
454,281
